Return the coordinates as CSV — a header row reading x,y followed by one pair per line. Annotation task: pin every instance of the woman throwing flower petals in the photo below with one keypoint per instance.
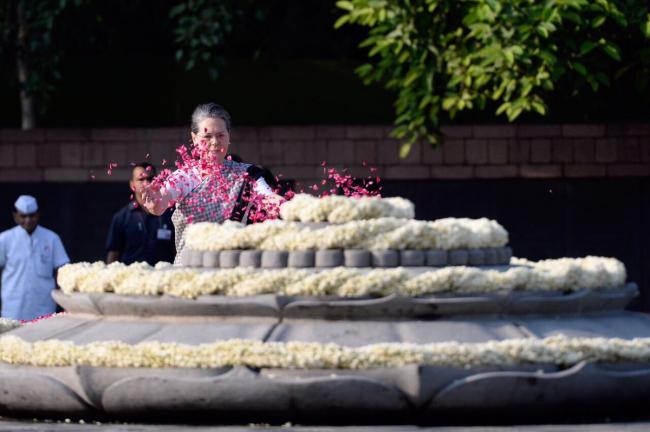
x,y
207,186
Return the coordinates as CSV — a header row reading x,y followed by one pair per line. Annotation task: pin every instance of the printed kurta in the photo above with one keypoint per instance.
x,y
213,200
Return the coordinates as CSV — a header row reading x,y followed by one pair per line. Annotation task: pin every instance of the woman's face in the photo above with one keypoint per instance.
x,y
215,134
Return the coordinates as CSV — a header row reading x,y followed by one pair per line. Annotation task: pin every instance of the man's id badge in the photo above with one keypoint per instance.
x,y
164,234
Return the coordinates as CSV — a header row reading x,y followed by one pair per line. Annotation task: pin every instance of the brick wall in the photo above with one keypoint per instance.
x,y
506,151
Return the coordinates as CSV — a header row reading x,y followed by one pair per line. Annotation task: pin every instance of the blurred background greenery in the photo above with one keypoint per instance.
x,y
116,63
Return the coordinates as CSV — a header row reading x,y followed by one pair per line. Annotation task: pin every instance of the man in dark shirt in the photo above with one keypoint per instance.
x,y
136,235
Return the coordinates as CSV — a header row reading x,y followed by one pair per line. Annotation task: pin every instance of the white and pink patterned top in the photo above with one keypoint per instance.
x,y
210,198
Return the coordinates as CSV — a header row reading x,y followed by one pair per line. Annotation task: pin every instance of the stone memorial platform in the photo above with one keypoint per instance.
x,y
411,344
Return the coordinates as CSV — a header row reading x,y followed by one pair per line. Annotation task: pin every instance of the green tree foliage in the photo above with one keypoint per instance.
x,y
27,39
453,55
201,27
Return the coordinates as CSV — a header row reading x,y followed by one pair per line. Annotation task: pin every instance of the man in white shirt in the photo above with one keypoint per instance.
x,y
29,258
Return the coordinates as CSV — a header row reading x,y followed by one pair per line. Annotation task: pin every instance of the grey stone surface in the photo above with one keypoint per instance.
x,y
193,331
331,307
458,257
250,258
302,259
357,258
504,254
217,395
350,258
548,302
11,425
206,331
224,394
469,328
476,257
554,303
196,258
385,258
77,302
609,300
582,382
395,306
211,259
392,306
51,328
436,257
229,258
491,256
412,258
410,390
186,257
359,333
25,389
274,259
103,330
450,305
626,325
405,378
147,306
329,258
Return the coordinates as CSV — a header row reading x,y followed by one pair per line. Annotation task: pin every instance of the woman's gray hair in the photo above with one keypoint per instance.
x,y
209,110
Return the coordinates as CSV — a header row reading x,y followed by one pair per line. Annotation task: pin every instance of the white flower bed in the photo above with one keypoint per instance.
x,y
339,209
558,350
7,324
373,234
566,274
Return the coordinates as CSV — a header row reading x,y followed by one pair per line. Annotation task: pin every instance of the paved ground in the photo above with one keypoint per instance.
x,y
7,425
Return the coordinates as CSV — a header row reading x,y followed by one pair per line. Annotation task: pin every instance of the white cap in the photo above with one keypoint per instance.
x,y
26,204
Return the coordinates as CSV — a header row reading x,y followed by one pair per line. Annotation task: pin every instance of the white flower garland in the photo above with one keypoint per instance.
x,y
340,209
565,274
373,234
558,350
7,324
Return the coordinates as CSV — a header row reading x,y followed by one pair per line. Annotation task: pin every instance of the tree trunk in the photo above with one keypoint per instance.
x,y
27,99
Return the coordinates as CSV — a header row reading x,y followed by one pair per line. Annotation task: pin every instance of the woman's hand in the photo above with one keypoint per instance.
x,y
154,200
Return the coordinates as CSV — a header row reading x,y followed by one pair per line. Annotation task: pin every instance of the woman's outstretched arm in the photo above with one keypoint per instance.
x,y
159,196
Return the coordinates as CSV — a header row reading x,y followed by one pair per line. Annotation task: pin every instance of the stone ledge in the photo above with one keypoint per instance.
x,y
354,258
